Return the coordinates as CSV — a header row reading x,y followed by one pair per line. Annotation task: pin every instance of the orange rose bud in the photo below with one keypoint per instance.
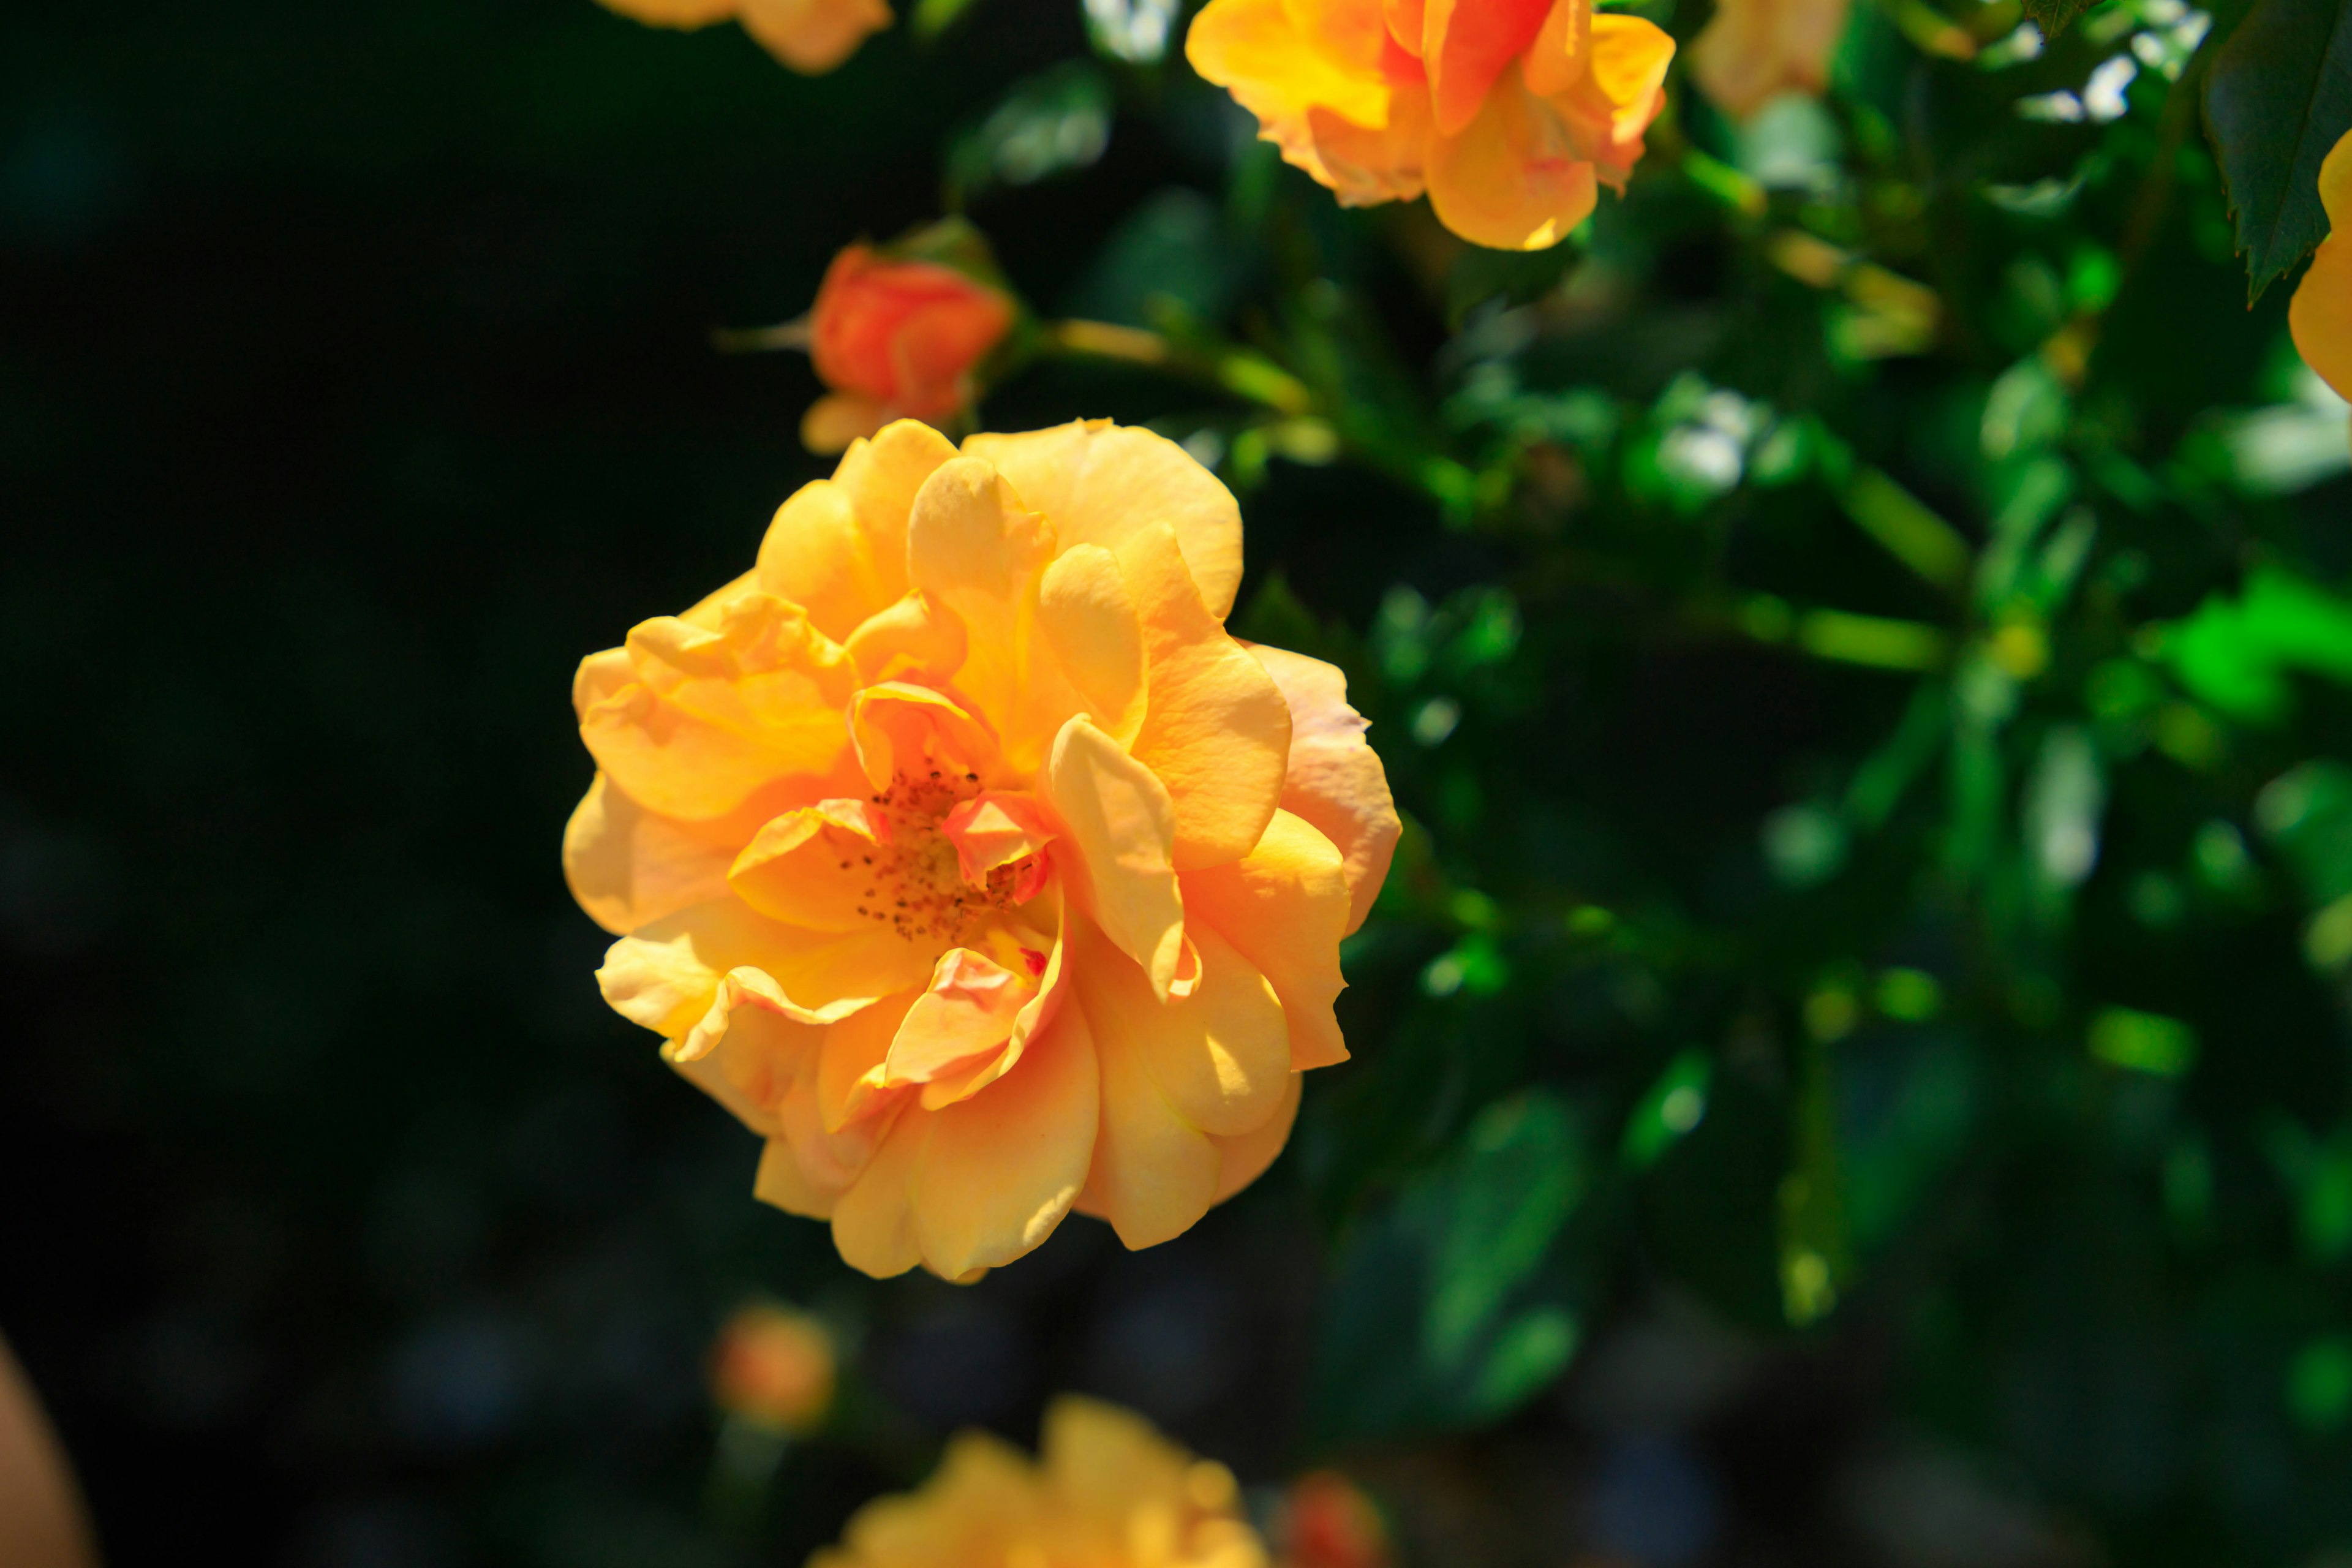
x,y
897,337
774,1367
1328,1522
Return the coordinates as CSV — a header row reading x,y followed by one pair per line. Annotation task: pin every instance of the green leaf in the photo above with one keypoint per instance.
x,y
1674,1107
2277,100
1436,1320
2236,655
2055,17
1050,124
2143,1042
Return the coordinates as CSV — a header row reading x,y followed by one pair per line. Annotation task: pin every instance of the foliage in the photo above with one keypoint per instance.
x,y
1861,635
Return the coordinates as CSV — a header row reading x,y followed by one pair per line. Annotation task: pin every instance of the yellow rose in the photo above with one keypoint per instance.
x,y
1109,1492
2321,315
1754,50
810,36
1510,113
960,852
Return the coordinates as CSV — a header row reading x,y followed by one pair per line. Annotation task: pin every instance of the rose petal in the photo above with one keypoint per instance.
x,y
1002,1168
1217,731
1098,483
1120,837
1333,779
1283,906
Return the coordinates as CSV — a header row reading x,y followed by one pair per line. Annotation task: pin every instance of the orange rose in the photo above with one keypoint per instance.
x,y
1510,113
773,1367
2321,315
1109,1492
1753,50
810,36
961,853
897,337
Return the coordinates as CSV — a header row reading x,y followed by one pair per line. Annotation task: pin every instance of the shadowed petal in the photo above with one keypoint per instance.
x,y
1333,778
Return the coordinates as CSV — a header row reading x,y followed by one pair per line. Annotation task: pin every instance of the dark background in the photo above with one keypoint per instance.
x,y
354,383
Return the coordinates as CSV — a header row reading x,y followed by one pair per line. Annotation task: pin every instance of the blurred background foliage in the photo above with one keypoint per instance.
x,y
1851,1064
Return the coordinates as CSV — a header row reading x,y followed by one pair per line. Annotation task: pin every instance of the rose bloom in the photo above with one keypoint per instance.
x,y
962,854
1108,1492
1754,50
774,1367
810,36
896,338
2321,315
1510,113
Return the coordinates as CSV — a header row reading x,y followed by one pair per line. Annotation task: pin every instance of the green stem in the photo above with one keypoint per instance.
x,y
1234,370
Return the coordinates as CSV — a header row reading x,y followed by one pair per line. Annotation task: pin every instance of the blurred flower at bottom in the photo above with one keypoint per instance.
x,y
773,1366
1107,1492
1328,1521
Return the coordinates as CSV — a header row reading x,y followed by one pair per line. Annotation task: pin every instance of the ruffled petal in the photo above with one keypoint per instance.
x,y
1217,731
751,1060
1365,166
667,974
973,546
874,1221
1609,109
628,866
812,867
780,1181
882,477
967,1011
1243,1160
995,829
1511,180
1221,1056
1002,1167
1253,50
914,637
1467,46
898,727
1090,622
849,1076
1334,779
817,554
713,715
1282,906
1099,483
1154,1174
1120,834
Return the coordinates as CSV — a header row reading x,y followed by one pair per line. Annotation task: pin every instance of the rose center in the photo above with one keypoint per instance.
x,y
915,884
